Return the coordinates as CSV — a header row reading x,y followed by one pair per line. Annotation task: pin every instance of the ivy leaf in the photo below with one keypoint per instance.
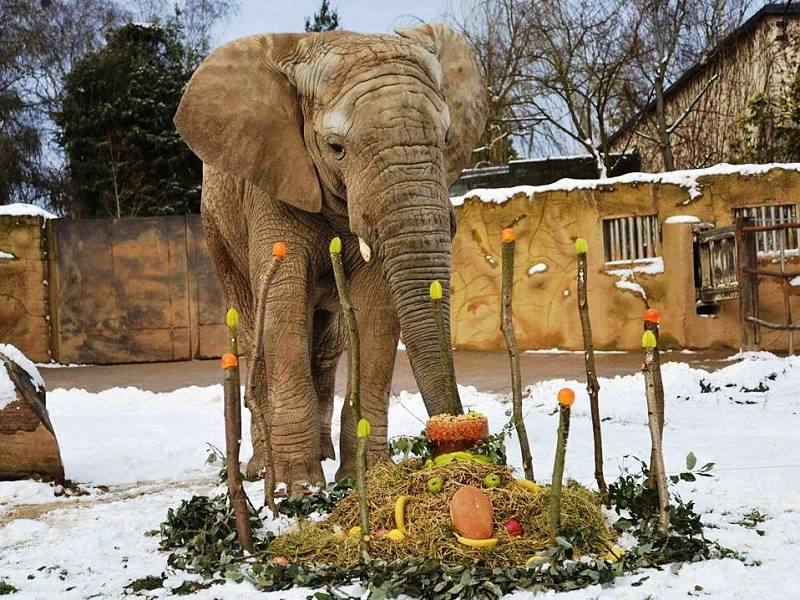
x,y
691,461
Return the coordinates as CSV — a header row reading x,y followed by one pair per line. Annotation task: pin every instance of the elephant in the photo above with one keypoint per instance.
x,y
304,137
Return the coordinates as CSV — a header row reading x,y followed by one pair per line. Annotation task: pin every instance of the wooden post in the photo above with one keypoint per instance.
x,y
354,388
566,398
261,418
233,434
748,282
507,327
652,319
592,385
649,345
436,293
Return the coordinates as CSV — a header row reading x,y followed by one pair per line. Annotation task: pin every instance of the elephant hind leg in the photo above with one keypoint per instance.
x,y
328,345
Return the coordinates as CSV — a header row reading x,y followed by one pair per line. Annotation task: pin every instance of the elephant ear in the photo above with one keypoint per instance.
x,y
241,114
462,88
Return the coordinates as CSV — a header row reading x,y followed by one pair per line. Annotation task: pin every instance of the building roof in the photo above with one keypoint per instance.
x,y
780,9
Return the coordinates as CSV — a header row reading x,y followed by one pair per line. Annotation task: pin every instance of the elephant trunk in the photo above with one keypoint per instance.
x,y
414,246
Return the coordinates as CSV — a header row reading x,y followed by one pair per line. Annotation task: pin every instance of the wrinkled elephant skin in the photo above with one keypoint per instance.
x,y
308,136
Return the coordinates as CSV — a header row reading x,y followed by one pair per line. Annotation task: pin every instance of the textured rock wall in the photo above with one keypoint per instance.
x,y
546,225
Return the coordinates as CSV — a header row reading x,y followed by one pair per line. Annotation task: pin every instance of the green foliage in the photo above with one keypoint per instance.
x,y
7,589
404,447
769,128
494,446
323,501
327,19
145,584
124,156
201,535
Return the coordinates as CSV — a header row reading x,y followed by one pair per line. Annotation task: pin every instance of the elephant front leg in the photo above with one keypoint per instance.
x,y
291,394
378,332
329,342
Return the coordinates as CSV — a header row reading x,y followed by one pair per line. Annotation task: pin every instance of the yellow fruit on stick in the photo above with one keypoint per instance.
x,y
336,246
436,290
581,246
400,512
487,543
614,554
649,340
364,428
232,317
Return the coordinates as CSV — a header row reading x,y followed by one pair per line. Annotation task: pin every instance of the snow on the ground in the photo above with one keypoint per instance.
x,y
8,393
687,179
20,209
149,449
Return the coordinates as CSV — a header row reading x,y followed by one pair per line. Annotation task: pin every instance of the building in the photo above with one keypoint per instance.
x,y
762,56
540,171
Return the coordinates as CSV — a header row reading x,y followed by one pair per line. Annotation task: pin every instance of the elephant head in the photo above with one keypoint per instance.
x,y
367,128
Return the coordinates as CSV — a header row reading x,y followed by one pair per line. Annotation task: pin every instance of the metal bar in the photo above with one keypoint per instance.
x,y
770,325
758,228
640,252
717,233
769,273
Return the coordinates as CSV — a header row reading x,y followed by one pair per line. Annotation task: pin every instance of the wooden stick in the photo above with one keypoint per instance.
x,y
566,397
233,433
444,348
652,318
649,344
507,327
363,431
354,386
592,385
261,418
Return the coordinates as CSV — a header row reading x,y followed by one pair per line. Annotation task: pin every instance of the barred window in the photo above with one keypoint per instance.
x,y
631,238
770,241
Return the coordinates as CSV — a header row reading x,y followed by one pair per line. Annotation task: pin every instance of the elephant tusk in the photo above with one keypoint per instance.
x,y
366,251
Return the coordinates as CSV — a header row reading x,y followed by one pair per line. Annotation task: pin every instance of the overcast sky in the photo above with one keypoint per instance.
x,y
367,16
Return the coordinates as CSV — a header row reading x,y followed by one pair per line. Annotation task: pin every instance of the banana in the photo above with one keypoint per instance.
x,y
400,512
488,543
395,535
528,485
444,459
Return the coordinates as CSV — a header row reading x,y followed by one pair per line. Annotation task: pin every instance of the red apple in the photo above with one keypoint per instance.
x,y
514,527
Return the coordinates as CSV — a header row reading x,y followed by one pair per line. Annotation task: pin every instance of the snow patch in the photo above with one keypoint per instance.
x,y
7,256
20,209
537,268
687,179
795,281
681,219
8,392
626,277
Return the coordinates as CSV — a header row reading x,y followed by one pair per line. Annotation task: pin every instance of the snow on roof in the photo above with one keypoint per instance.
x,y
8,392
687,179
25,210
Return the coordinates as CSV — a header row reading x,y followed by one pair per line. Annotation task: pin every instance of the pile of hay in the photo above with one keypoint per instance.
x,y
429,533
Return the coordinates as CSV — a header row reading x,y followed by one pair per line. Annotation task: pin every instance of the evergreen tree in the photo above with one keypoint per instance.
x,y
327,19
124,157
769,129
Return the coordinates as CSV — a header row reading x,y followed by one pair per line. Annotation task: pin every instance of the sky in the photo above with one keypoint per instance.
x,y
365,16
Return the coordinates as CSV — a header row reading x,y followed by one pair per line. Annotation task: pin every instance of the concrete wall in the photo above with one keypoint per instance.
x,y
23,286
143,289
546,225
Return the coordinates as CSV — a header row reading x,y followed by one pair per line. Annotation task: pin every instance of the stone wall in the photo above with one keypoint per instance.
x,y
548,220
24,320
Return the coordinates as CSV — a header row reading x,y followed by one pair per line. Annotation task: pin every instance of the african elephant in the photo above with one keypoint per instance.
x,y
305,137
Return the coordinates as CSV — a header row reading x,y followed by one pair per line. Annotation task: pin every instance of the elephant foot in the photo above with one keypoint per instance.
x,y
255,467
296,474
326,448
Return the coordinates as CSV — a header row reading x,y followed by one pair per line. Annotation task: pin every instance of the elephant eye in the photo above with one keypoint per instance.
x,y
337,149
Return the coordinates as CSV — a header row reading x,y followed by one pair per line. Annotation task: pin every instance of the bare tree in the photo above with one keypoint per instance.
x,y
575,86
501,38
673,35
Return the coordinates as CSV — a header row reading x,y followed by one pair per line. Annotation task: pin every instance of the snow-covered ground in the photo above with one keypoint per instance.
x,y
149,450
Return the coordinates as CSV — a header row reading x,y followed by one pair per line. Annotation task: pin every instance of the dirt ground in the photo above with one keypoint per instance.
x,y
487,371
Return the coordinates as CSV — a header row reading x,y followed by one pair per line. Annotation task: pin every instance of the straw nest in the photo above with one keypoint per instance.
x,y
429,533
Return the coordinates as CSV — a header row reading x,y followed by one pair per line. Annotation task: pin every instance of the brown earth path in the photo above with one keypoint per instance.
x,y
487,371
